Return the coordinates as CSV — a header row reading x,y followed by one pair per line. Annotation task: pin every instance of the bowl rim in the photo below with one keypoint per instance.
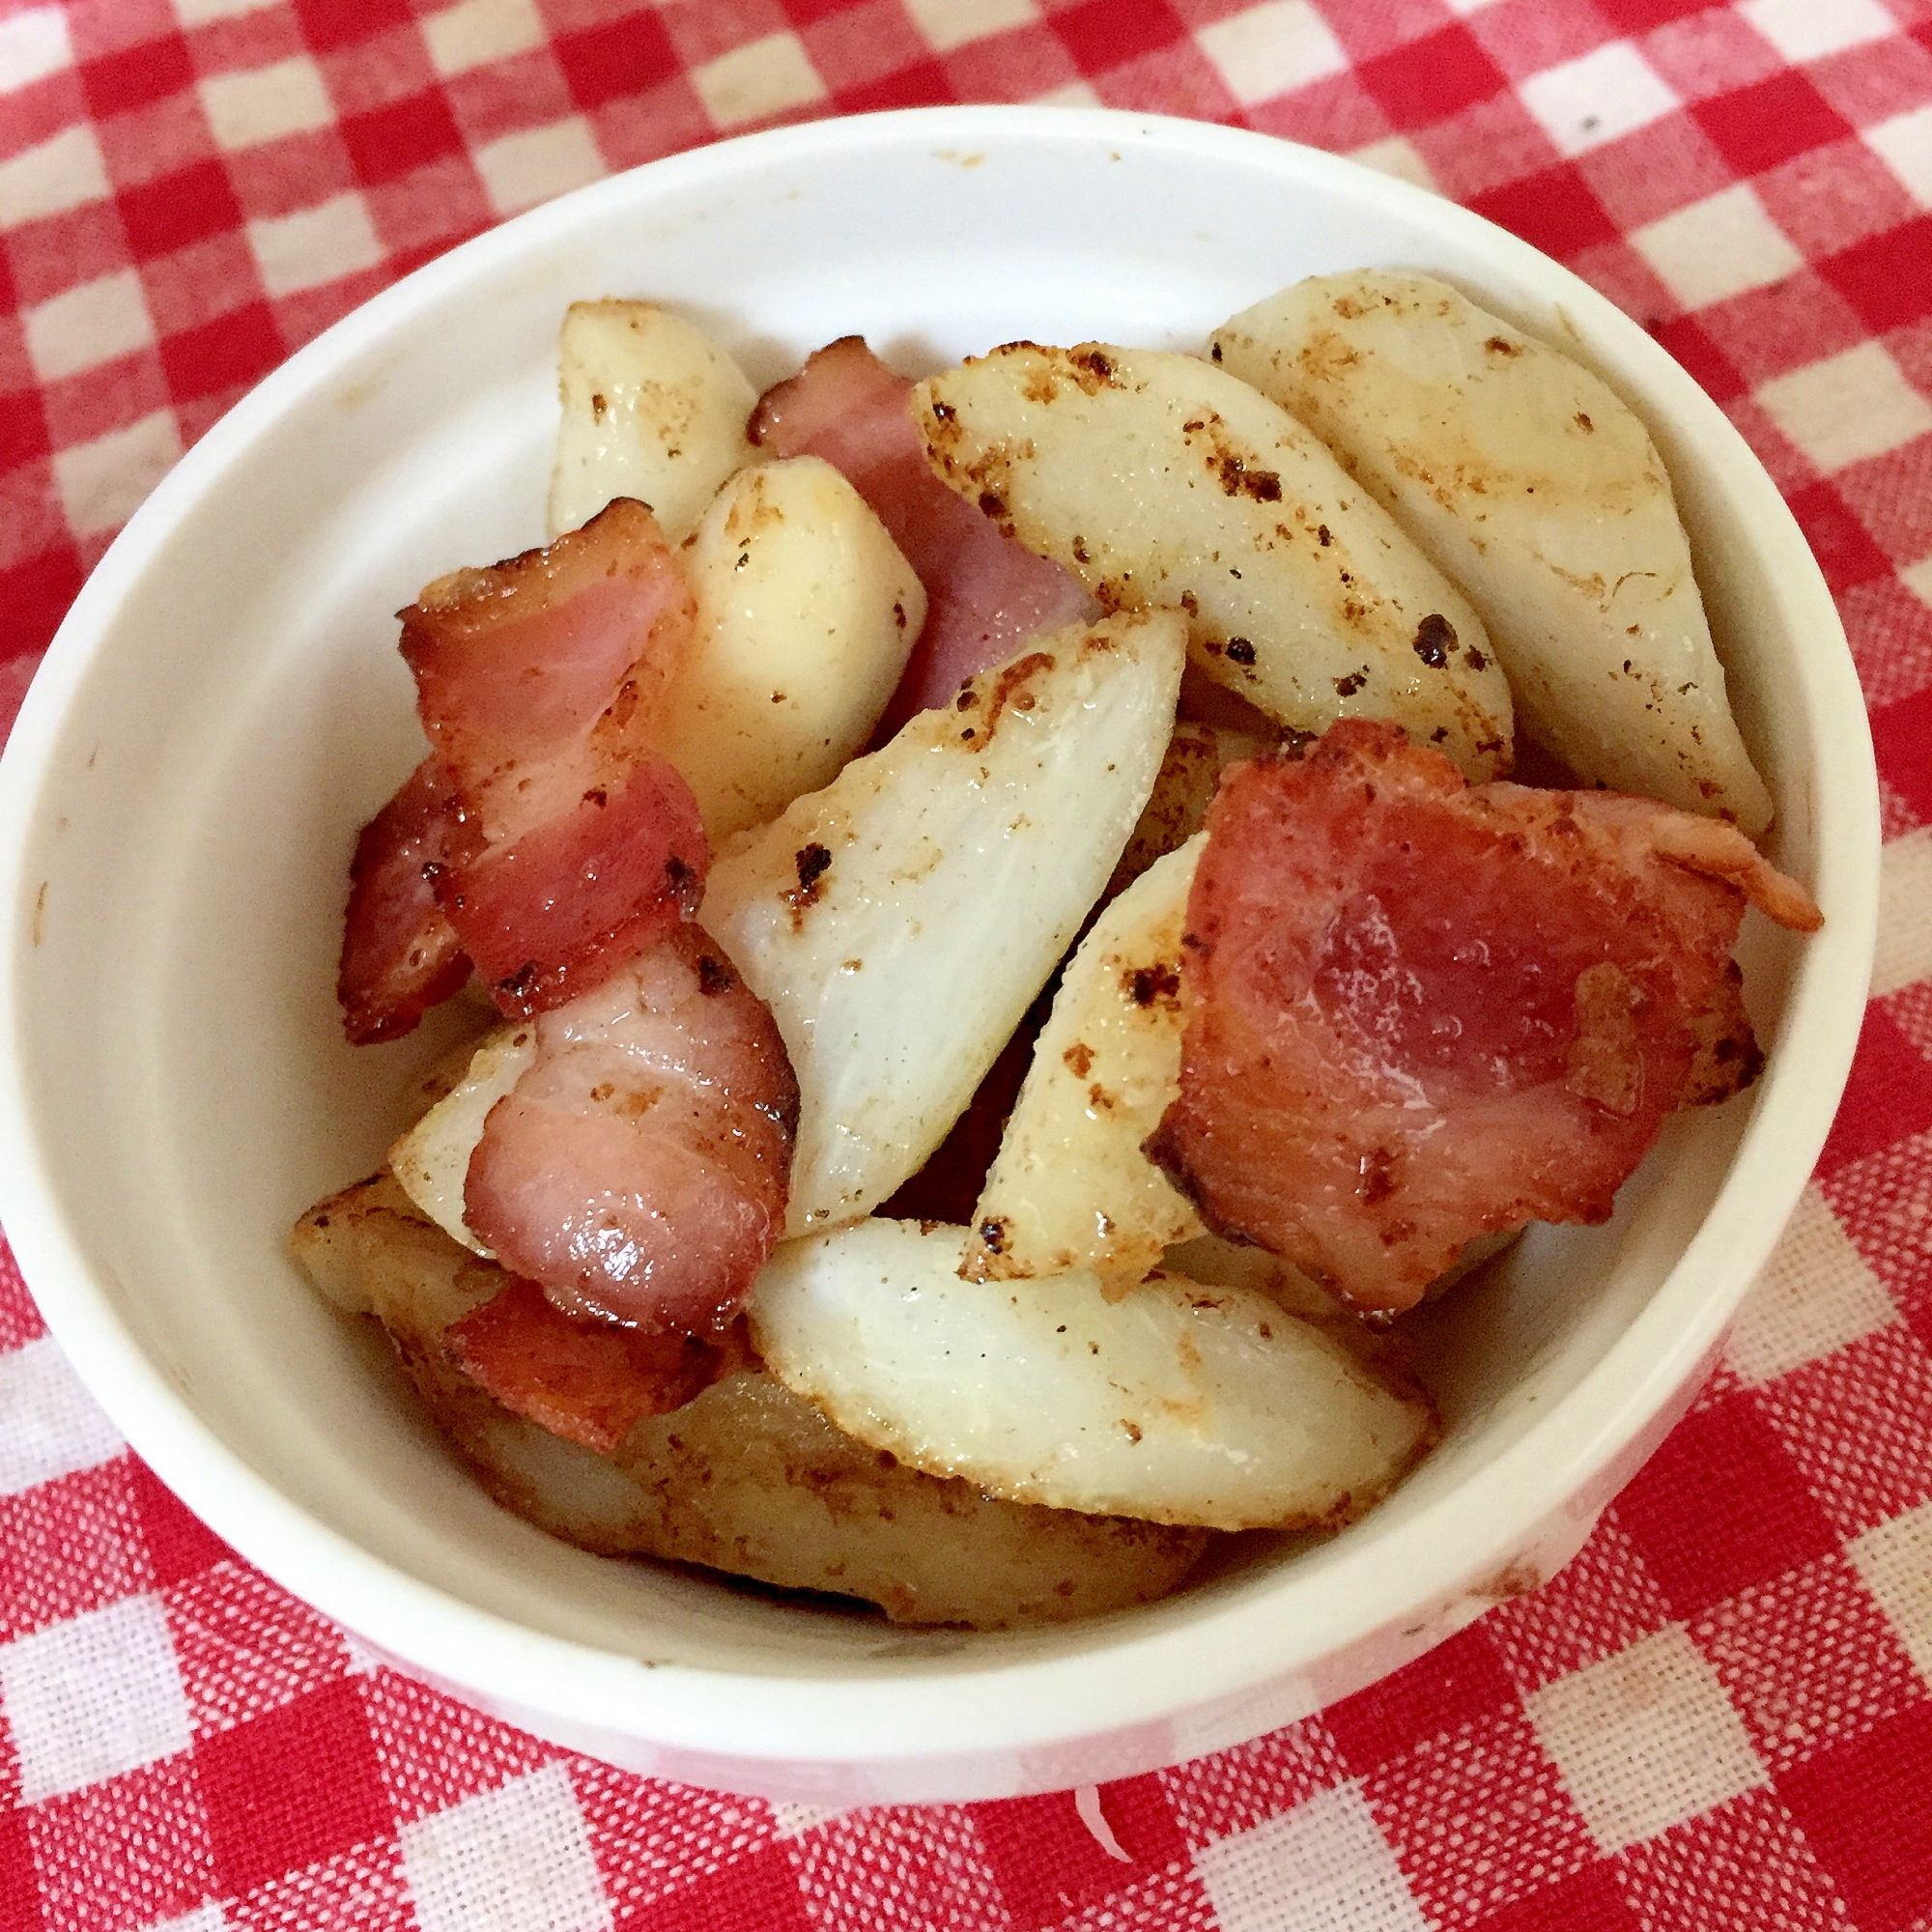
x,y
1229,1650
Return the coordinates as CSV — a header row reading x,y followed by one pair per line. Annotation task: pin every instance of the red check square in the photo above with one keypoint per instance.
x,y
1554,211
1049,1864
1455,1683
1884,1876
270,1811
1432,78
1890,1093
1697,1510
1756,128
119,82
624,57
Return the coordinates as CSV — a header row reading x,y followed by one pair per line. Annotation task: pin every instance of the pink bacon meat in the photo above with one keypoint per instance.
x,y
400,954
638,1169
590,1384
1420,1012
985,594
536,681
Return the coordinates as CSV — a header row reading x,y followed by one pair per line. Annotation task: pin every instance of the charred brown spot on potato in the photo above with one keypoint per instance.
x,y
811,862
1079,1059
1435,640
598,405
1092,370
993,1233
1009,685
1147,985
1238,480
715,975
1499,345
1347,687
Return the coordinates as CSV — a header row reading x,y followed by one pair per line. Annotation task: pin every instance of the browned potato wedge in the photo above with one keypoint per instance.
x,y
748,1478
899,922
1162,482
1069,1187
650,409
1532,482
1177,1403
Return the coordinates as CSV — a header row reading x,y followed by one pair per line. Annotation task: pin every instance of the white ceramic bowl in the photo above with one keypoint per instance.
x,y
225,705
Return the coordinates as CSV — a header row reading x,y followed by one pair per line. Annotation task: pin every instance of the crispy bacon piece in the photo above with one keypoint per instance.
x,y
985,593
1419,1012
638,1172
589,1382
577,843
400,954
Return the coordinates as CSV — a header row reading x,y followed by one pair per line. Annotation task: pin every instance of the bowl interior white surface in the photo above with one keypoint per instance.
x,y
226,706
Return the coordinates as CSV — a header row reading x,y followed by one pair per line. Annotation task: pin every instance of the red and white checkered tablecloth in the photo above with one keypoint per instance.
x,y
1721,1713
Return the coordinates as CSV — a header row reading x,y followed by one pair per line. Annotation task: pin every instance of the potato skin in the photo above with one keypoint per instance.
x,y
748,1478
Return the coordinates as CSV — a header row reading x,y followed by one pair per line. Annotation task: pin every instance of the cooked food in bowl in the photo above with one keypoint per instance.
x,y
1302,973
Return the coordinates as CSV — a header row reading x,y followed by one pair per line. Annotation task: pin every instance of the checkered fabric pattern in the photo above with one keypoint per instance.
x,y
1720,1715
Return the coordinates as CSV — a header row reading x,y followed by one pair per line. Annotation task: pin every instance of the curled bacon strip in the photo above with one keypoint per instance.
x,y
985,594
1419,1011
638,1169
400,954
552,841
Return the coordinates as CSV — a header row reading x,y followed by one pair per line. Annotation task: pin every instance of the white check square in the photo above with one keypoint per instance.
x,y
1904,144
33,46
1904,954
103,483
1645,1740
251,105
1807,30
1814,1298
1719,248
92,1696
313,246
945,24
1325,1865
476,33
763,77
1895,1563
49,1425
198,12
1599,97
516,1859
86,327
1271,49
1848,407
523,169
64,173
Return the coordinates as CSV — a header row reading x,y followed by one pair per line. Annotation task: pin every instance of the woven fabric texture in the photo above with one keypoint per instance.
x,y
1720,1714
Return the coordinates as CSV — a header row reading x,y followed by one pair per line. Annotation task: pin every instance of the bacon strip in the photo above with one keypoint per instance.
x,y
588,1383
1419,1012
985,593
400,954
573,844
638,1169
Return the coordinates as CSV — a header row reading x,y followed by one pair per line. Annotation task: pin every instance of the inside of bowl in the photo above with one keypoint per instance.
x,y
247,711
